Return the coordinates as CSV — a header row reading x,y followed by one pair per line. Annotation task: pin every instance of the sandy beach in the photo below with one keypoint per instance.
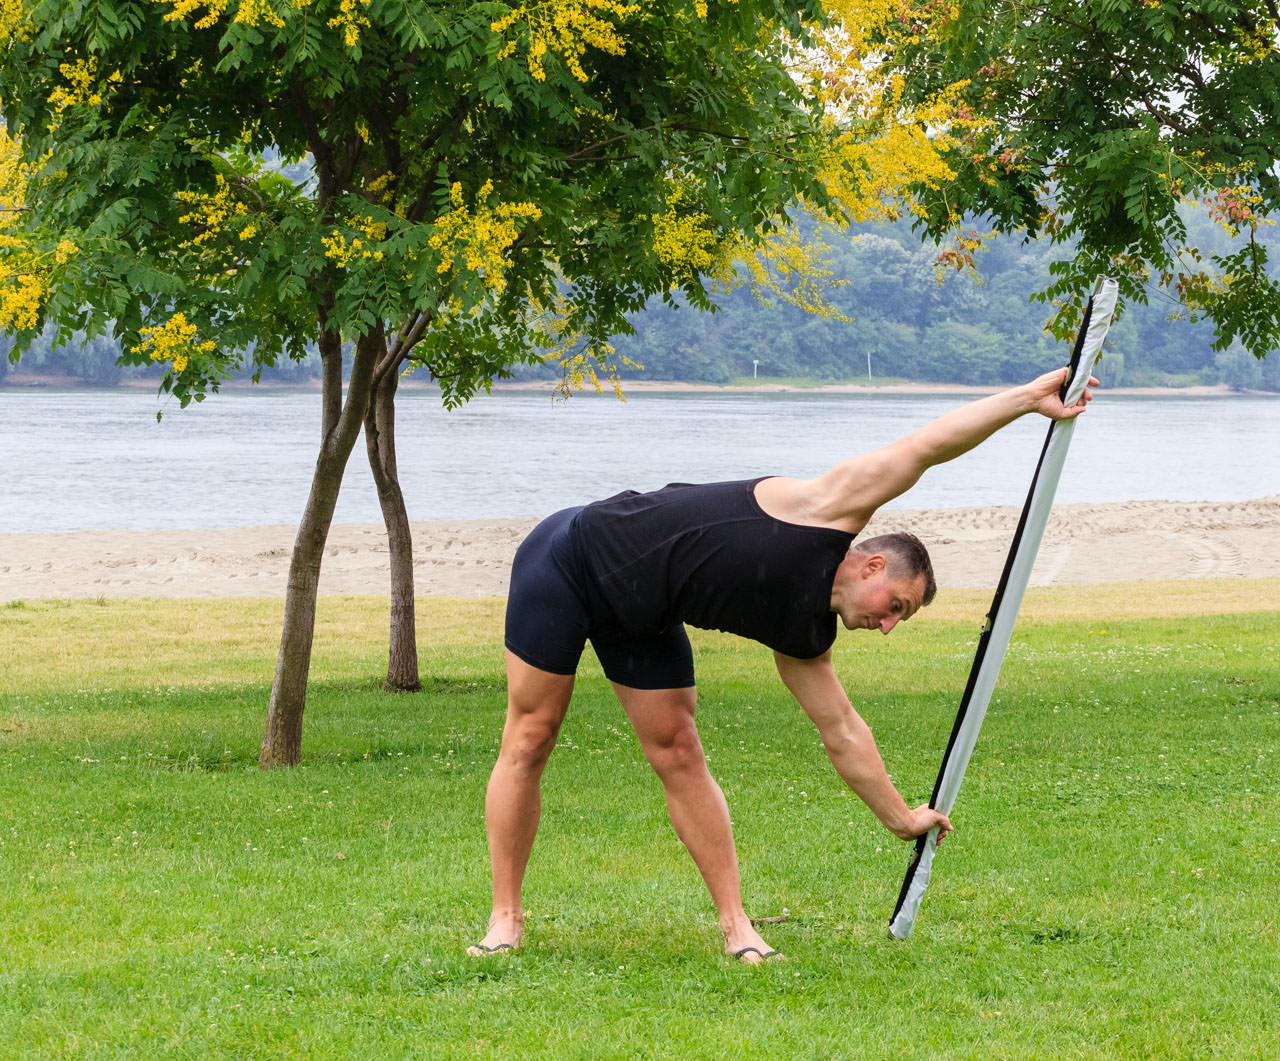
x,y
1130,542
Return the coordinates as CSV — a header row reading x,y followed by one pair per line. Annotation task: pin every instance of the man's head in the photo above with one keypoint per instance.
x,y
882,581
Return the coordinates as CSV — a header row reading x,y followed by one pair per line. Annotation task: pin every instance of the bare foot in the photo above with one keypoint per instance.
x,y
503,936
748,946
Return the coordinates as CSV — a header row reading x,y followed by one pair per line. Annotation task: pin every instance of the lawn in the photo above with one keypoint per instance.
x,y
1110,891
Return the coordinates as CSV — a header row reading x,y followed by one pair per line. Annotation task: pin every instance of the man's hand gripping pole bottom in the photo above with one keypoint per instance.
x,y
924,819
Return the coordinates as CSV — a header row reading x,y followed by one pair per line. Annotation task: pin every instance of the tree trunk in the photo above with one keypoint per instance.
x,y
282,742
380,443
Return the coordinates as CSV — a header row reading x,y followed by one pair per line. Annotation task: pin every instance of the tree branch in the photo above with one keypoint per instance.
x,y
325,167
406,340
586,154
330,344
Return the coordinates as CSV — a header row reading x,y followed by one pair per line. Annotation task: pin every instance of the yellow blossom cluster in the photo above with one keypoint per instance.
x,y
343,251
255,13
382,188
566,347
15,20
700,7
23,277
350,19
684,239
879,144
866,175
211,214
175,341
1197,288
566,28
1256,45
1237,206
1233,199
581,371
180,10
795,270
479,237
82,84
246,12
21,294
857,21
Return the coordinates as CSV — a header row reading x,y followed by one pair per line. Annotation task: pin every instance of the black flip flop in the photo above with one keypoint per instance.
x,y
497,948
764,955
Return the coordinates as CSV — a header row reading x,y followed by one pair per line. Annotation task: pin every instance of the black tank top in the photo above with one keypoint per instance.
x,y
710,556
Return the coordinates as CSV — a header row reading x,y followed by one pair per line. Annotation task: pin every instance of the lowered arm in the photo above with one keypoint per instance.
x,y
851,747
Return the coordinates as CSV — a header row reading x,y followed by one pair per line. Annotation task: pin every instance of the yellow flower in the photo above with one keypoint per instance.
x,y
479,237
566,28
684,238
350,19
174,341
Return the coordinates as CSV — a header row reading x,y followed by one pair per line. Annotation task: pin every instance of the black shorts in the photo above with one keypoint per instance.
x,y
550,619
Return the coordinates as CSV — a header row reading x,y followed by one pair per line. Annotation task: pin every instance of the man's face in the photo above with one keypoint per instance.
x,y
872,600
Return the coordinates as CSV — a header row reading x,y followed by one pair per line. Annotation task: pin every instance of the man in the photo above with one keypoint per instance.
x,y
772,559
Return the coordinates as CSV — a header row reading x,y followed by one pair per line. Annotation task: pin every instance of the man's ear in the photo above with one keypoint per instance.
x,y
872,565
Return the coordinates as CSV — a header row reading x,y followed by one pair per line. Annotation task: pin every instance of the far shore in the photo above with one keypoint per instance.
x,y
20,380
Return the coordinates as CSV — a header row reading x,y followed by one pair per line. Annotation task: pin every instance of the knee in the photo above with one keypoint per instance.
x,y
677,751
528,742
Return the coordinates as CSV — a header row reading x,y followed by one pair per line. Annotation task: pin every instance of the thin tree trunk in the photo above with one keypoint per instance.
x,y
282,742
380,444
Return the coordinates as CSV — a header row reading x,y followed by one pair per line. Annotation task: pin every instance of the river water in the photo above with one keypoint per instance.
x,y
82,459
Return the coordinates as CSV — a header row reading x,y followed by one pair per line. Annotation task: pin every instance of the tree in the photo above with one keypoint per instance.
x,y
1095,122
488,181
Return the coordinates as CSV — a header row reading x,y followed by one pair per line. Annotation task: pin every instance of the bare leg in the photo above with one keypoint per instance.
x,y
663,720
536,705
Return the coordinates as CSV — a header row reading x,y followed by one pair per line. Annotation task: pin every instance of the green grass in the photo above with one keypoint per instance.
x,y
1110,891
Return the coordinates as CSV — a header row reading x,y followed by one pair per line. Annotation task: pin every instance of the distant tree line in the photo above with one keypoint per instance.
x,y
98,362
913,324
906,321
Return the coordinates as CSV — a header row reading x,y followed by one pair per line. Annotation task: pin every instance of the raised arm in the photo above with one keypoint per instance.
x,y
851,747
847,495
